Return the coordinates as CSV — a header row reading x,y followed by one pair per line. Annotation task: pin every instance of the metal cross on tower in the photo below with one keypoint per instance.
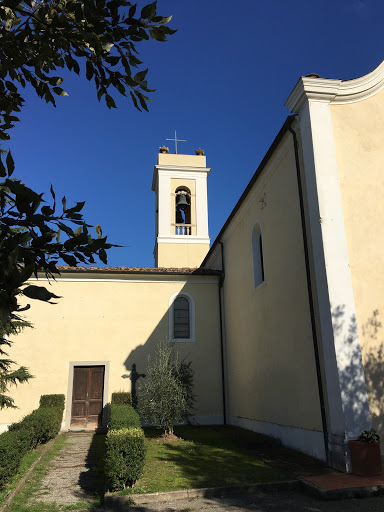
x,y
176,141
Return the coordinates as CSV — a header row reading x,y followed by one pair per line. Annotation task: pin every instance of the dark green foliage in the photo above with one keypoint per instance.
x,y
52,401
40,426
185,374
121,397
38,40
123,416
8,374
125,447
31,242
36,428
125,457
166,395
13,446
97,39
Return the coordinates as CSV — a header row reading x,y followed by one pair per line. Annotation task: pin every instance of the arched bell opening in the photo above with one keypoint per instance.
x,y
183,211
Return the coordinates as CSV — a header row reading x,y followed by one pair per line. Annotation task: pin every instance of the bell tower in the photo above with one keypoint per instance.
x,y
180,184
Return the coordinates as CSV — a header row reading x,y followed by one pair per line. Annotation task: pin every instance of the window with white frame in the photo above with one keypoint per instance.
x,y
182,317
257,255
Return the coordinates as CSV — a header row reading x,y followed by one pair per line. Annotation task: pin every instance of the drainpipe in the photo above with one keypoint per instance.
x,y
310,296
221,281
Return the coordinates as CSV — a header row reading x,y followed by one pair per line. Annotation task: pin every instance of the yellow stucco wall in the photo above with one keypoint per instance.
x,y
182,160
121,322
179,255
358,134
271,373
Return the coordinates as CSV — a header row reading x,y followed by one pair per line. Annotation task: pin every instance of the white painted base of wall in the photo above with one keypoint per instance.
x,y
63,426
4,427
208,420
306,441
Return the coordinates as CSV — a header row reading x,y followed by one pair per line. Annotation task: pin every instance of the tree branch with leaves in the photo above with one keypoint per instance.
x,y
98,37
37,39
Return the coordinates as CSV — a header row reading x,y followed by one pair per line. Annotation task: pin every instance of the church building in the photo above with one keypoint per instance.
x,y
280,315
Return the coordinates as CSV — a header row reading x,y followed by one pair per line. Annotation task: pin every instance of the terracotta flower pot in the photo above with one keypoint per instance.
x,y
366,458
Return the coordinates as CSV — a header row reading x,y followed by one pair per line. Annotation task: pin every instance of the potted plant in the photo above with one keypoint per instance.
x,y
365,454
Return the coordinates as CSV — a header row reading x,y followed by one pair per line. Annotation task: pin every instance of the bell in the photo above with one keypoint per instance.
x,y
181,200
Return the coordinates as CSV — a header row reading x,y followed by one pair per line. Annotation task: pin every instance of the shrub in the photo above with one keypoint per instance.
x,y
121,397
13,446
125,457
40,426
52,401
369,436
123,416
166,395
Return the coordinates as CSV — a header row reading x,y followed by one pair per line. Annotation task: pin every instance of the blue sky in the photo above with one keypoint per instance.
x,y
221,82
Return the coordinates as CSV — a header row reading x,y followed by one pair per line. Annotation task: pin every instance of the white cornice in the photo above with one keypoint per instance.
x,y
183,239
175,171
335,91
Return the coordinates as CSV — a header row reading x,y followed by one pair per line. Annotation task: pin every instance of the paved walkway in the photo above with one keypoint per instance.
x,y
279,502
73,476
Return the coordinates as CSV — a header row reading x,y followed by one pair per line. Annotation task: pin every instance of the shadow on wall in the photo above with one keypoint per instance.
x,y
351,371
374,369
355,378
203,353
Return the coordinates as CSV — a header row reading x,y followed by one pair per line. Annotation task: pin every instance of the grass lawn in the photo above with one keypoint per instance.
x,y
26,463
206,457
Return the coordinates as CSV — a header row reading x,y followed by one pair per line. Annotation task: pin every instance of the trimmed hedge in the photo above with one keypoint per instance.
x,y
52,401
121,397
13,446
123,416
40,426
125,457
125,447
36,428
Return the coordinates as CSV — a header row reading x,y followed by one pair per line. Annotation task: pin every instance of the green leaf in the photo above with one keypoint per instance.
x,y
103,256
139,77
107,47
79,206
142,102
56,80
47,210
148,11
89,70
134,100
10,163
100,93
69,260
110,101
3,171
59,91
64,201
165,20
132,10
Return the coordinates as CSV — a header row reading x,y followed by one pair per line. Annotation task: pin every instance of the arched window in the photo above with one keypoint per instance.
x,y
182,317
182,211
257,255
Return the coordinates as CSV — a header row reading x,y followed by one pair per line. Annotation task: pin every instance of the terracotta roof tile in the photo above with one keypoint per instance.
x,y
141,270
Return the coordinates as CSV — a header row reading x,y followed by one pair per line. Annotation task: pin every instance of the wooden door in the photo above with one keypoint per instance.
x,y
87,396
